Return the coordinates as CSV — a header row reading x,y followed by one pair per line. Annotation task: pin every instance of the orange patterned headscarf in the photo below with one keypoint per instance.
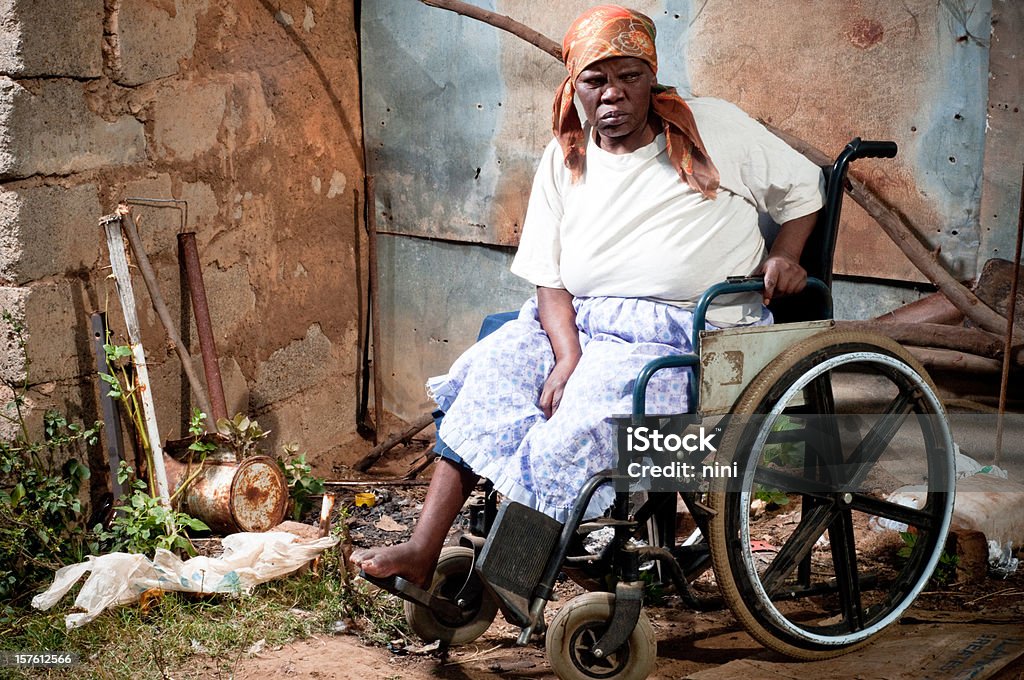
x,y
611,31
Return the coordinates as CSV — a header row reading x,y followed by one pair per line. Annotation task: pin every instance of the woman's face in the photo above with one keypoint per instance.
x,y
616,97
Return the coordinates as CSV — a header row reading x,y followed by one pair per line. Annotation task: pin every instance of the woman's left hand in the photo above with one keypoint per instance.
x,y
782,276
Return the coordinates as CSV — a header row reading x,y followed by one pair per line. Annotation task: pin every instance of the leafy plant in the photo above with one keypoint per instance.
x,y
945,569
40,479
784,454
242,434
302,485
143,524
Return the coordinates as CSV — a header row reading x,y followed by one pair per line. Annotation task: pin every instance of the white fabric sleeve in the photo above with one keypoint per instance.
x,y
537,259
759,166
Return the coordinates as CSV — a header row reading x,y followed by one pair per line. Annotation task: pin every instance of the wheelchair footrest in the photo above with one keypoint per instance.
x,y
518,548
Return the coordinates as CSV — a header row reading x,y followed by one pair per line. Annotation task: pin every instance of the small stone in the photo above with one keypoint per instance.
x,y
284,18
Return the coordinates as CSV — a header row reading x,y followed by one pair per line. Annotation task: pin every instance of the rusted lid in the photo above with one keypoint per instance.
x,y
259,494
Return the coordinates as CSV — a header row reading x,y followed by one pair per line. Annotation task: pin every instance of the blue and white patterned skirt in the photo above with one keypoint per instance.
x,y
492,420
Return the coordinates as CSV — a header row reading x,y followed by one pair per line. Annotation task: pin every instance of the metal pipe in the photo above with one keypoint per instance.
x,y
371,227
204,328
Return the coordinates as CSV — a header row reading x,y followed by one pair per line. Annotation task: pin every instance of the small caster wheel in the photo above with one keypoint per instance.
x,y
576,629
454,579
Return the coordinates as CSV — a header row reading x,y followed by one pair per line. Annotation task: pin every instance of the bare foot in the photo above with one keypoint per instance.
x,y
404,559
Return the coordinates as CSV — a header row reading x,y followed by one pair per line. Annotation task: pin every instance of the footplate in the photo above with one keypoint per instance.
x,y
517,549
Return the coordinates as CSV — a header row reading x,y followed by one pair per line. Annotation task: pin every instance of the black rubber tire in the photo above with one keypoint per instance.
x,y
740,577
453,566
579,624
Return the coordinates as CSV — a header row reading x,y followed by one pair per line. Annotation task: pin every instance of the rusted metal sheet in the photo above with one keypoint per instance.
x,y
247,496
1004,138
732,357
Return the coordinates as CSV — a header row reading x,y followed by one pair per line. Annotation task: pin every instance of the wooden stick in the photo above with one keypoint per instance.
x,y
1011,313
941,336
950,360
906,237
149,276
520,30
112,226
367,461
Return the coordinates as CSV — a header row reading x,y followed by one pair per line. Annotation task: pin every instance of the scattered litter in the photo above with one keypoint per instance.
x,y
385,523
120,578
596,541
198,647
908,497
967,467
342,627
424,649
365,500
1001,561
256,647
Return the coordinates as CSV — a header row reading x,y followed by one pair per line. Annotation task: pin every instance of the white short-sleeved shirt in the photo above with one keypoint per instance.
x,y
631,228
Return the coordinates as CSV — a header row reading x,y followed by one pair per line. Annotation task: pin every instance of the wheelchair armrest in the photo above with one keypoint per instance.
x,y
736,284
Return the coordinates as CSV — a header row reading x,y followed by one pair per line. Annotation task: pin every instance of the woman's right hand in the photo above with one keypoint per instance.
x,y
558,319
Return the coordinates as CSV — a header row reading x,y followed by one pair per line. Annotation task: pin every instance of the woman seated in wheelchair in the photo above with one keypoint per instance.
x,y
631,217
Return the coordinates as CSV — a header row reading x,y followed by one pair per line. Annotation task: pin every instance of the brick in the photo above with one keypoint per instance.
x,y
231,298
153,36
51,131
59,337
12,356
48,231
290,370
187,119
51,38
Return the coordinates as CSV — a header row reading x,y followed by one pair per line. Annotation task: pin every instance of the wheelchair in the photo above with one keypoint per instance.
x,y
786,434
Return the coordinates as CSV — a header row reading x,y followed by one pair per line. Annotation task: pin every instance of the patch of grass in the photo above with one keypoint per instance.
x,y
182,636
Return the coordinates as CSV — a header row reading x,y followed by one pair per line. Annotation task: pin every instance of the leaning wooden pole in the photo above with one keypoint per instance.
x,y
1011,315
906,238
122,279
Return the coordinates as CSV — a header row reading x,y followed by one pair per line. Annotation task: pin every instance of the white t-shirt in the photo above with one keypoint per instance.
x,y
632,228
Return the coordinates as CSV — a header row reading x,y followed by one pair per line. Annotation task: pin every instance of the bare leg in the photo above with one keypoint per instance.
x,y
415,561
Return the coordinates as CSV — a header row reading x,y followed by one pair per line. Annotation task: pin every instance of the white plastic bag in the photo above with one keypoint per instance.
x,y
120,578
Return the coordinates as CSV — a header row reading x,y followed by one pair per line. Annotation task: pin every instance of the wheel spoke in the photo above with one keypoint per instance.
x,y
877,439
844,559
798,546
922,519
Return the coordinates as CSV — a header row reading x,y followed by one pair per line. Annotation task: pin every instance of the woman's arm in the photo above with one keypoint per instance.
x,y
783,274
558,319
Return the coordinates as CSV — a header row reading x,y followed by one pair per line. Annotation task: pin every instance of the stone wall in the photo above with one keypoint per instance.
x,y
246,109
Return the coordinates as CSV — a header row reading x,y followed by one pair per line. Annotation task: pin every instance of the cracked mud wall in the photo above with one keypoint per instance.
x,y
246,109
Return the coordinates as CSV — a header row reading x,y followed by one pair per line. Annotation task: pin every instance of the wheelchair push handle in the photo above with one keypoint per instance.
x,y
872,149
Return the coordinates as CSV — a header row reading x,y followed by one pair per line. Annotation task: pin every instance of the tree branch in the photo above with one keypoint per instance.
x,y
535,38
906,237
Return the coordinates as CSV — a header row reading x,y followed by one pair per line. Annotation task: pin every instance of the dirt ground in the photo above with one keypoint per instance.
x,y
702,645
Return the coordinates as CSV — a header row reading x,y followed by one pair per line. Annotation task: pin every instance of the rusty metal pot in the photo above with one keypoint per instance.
x,y
248,496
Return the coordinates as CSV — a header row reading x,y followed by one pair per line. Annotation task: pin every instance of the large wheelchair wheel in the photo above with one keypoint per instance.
x,y
813,580
576,629
454,580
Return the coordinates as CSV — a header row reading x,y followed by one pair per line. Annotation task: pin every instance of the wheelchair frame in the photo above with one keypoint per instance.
x,y
608,636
